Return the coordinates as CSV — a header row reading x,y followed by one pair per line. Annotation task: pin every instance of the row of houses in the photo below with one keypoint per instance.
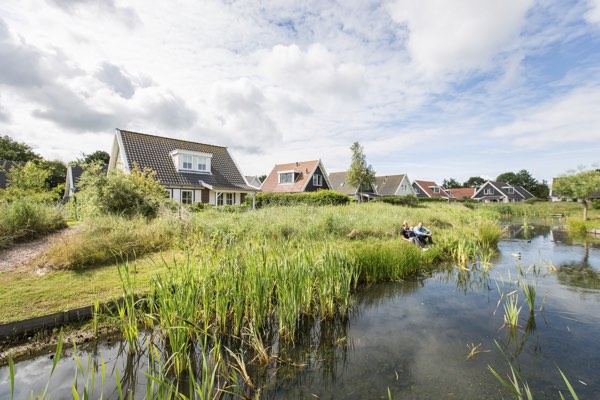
x,y
194,172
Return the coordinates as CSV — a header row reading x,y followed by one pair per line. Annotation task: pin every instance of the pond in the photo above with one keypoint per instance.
x,y
429,338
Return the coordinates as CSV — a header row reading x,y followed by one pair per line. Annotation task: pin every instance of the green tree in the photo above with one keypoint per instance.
x,y
579,185
525,179
99,155
136,193
451,183
473,182
29,181
360,175
16,151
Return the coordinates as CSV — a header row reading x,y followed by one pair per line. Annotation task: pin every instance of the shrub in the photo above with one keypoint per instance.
x,y
136,193
318,198
409,200
596,204
23,219
433,200
505,209
534,200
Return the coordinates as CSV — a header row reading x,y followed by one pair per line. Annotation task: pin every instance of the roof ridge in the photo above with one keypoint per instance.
x,y
170,138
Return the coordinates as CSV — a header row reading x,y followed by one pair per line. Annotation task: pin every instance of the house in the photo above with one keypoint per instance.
x,y
253,180
499,192
339,184
393,185
191,172
554,196
461,193
5,166
430,190
73,174
303,176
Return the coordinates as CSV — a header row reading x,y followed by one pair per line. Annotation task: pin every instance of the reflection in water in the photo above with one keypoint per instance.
x,y
411,337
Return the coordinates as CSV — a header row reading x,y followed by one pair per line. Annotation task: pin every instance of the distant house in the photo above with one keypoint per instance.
x,y
72,183
430,189
303,176
253,180
393,185
5,166
339,184
499,192
190,172
461,193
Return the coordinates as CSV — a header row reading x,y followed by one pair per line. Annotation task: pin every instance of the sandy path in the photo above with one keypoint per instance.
x,y
21,254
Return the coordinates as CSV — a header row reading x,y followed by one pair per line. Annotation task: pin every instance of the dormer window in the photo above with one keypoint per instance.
x,y
286,177
510,190
191,161
435,189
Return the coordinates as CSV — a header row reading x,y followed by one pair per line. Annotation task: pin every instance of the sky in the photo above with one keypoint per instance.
x,y
436,89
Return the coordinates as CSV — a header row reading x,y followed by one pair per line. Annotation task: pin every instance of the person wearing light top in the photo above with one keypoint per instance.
x,y
423,234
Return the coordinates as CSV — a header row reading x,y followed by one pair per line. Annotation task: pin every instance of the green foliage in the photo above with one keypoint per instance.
x,y
136,193
57,174
318,198
109,239
579,185
596,204
98,156
16,151
534,200
23,219
29,181
504,209
360,175
451,183
474,181
525,179
432,200
408,200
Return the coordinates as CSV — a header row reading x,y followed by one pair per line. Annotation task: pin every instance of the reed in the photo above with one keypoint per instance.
x,y
512,310
529,290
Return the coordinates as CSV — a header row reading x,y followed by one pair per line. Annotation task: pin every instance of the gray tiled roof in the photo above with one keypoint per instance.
x,y
388,185
153,152
338,183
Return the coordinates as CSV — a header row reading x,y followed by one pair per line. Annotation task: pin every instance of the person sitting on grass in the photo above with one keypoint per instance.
x,y
407,233
423,234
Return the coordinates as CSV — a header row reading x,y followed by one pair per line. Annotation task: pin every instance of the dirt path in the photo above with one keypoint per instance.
x,y
21,254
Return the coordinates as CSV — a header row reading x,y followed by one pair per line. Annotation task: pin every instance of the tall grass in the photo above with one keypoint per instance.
x,y
22,219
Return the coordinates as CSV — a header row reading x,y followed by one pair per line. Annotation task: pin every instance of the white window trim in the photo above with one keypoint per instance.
x,y
191,192
488,191
317,180
280,173
178,157
435,189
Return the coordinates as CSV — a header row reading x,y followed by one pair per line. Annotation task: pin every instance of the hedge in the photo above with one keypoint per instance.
x,y
318,198
410,201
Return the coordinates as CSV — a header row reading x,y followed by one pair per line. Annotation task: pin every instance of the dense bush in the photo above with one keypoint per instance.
x,y
136,193
432,200
534,200
596,204
409,200
318,198
25,219
29,181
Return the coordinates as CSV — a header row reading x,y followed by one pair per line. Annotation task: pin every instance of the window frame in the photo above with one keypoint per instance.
x,y
191,195
281,174
488,192
318,181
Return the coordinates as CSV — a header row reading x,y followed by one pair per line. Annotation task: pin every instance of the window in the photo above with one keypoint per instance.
x,y
403,187
436,189
229,197
187,162
488,192
510,190
317,180
187,197
201,163
286,177
167,193
225,199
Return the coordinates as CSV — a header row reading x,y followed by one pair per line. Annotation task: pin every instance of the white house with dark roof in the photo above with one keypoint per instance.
x,y
393,185
191,172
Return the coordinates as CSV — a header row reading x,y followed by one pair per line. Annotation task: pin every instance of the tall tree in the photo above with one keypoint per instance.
x,y
15,151
360,175
474,181
579,185
98,155
451,183
525,179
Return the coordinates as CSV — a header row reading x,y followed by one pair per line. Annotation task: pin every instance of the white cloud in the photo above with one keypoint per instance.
x,y
593,14
571,118
461,34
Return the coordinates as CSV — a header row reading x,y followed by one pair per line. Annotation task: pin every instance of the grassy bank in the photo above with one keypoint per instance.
x,y
22,220
82,268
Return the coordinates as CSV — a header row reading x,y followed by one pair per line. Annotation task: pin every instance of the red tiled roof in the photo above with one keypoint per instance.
x,y
459,193
425,186
304,169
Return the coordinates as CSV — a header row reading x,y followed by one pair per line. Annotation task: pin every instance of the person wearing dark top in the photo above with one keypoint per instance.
x,y
407,233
